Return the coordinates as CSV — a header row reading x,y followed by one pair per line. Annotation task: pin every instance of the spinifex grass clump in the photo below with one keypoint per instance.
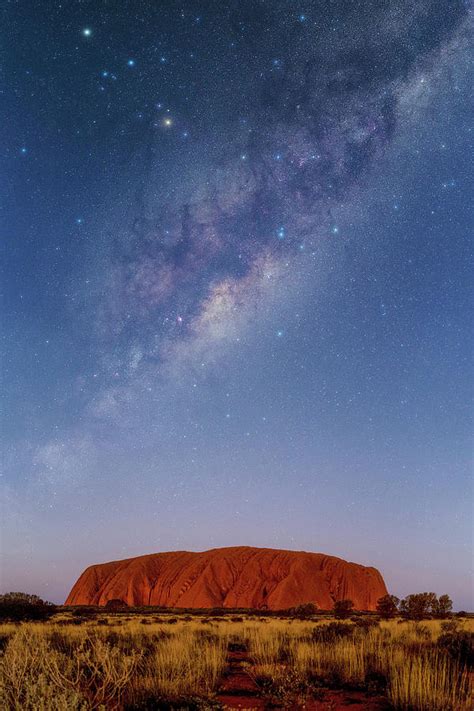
x,y
185,665
50,668
428,681
81,673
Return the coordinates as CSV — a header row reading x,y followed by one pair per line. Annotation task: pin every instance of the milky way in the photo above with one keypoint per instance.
x,y
320,116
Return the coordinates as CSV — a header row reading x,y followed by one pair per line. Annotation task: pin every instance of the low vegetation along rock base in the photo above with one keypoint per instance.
x,y
128,662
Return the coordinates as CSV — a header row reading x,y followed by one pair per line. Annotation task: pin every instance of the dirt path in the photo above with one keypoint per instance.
x,y
239,691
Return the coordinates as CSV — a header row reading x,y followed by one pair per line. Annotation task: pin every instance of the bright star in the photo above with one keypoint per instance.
x,y
131,62
87,32
167,122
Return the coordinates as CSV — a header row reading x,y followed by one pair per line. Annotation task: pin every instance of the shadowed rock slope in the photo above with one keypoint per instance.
x,y
230,577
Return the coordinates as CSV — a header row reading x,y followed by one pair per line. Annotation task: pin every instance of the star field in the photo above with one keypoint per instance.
x,y
237,284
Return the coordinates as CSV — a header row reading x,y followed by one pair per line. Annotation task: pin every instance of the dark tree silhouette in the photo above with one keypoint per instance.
x,y
343,609
387,606
444,607
419,605
23,606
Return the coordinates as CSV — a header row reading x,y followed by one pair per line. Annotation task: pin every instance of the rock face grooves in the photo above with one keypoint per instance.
x,y
230,577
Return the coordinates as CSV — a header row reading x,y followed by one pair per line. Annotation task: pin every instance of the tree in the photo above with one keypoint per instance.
x,y
419,605
23,606
21,597
443,607
343,609
387,606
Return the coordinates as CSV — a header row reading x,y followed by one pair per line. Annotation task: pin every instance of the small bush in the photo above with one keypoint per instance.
x,y
113,639
366,623
460,646
304,611
61,643
332,632
82,610
375,682
422,632
115,605
37,676
287,688
450,626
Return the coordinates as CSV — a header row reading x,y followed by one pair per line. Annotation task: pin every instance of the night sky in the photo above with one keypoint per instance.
x,y
236,273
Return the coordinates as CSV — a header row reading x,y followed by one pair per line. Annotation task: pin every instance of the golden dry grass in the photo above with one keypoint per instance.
x,y
403,660
60,666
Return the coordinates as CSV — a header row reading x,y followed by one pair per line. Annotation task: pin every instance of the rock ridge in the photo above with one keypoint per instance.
x,y
240,576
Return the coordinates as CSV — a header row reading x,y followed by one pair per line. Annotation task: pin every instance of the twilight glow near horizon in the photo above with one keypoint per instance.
x,y
237,285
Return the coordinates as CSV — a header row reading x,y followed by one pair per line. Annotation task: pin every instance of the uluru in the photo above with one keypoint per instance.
x,y
237,577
